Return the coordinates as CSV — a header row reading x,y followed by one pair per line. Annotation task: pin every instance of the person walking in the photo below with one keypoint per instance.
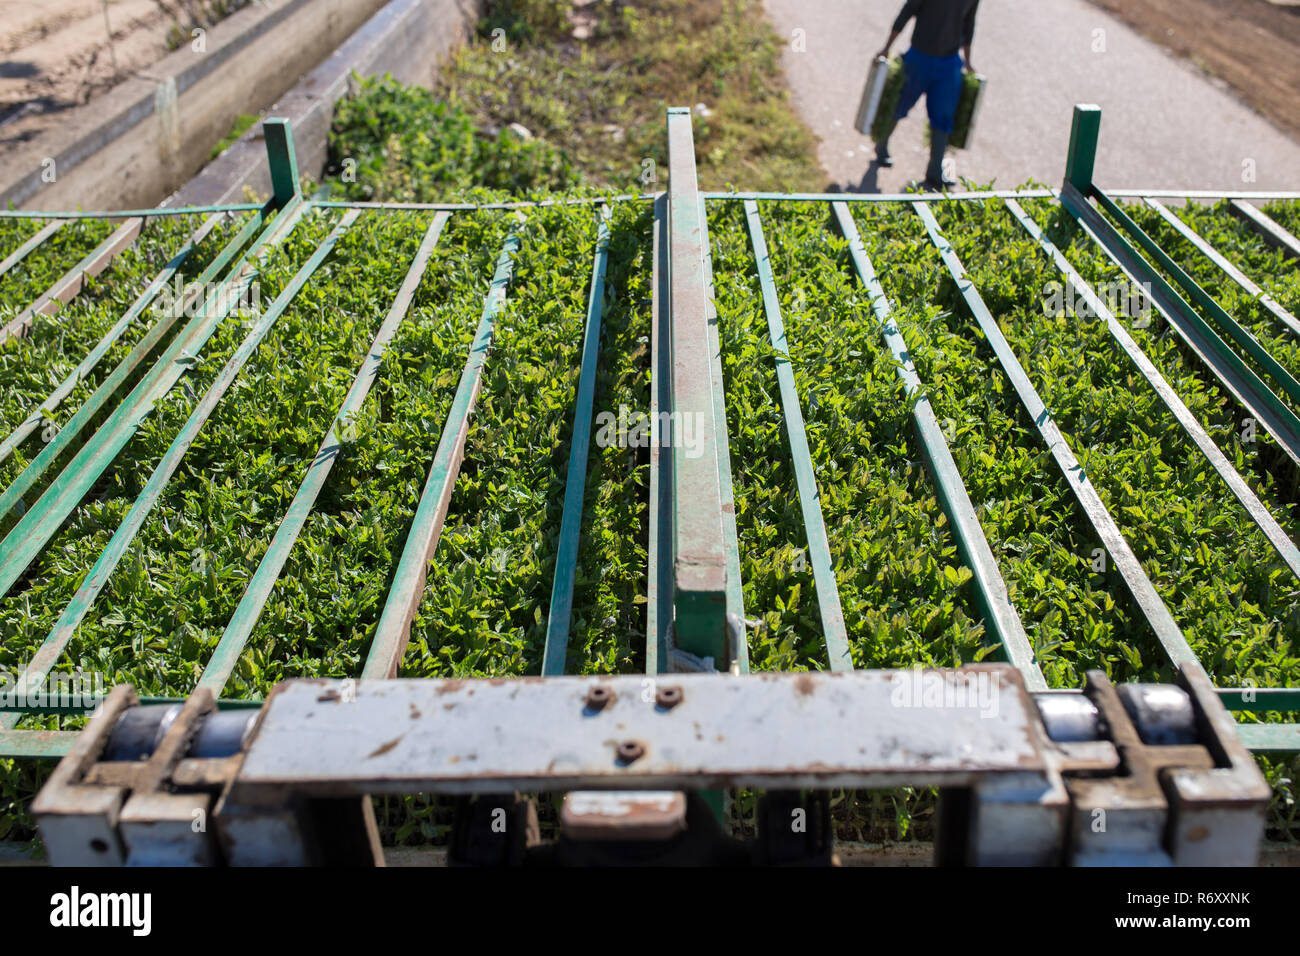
x,y
932,66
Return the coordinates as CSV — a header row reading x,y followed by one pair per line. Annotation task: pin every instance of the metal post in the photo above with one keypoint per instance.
x,y
1082,158
282,159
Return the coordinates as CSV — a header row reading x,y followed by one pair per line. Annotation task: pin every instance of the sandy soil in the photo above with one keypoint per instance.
x,y
61,53
1254,45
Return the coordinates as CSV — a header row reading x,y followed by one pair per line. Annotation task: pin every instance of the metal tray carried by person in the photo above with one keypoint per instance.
x,y
884,83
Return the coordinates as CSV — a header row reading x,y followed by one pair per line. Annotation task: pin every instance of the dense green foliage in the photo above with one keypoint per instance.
x,y
32,367
1286,213
595,105
896,565
966,104
401,143
15,230
1226,588
484,610
42,267
136,631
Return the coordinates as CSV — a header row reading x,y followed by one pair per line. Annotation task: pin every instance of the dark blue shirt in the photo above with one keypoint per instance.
x,y
942,26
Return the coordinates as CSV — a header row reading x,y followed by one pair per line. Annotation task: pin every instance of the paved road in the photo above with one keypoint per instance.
x,y
1164,123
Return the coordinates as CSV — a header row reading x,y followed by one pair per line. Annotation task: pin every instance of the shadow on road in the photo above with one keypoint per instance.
x,y
867,185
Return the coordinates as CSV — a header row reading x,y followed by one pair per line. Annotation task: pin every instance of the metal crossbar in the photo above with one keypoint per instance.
x,y
695,610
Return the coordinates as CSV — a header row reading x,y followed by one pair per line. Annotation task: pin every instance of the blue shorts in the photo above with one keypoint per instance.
x,y
939,78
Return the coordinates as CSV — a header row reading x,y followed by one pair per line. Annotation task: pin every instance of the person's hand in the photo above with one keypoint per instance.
x,y
969,68
883,54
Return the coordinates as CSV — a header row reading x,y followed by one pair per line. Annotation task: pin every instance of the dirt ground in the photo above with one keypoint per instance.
x,y
1253,45
57,54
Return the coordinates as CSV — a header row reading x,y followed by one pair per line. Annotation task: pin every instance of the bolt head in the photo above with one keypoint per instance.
x,y
668,696
630,750
598,696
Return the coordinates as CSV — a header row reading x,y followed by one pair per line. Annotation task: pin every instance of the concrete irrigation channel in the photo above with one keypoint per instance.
x,y
147,136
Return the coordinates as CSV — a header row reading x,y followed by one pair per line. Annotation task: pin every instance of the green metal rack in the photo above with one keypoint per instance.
x,y
695,611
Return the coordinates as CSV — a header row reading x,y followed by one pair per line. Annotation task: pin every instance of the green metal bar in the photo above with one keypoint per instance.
x,y
699,553
226,655
1126,562
1202,298
37,744
1268,230
86,705
1225,266
1260,699
37,526
282,159
1235,376
555,652
1206,194
484,206
989,588
394,628
1081,160
144,503
36,239
1259,514
128,213
735,591
87,365
981,195
659,549
67,435
68,285
819,549
1270,738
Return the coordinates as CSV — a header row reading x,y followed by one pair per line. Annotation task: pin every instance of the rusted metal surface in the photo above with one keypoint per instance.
x,y
1164,801
623,815
876,729
78,822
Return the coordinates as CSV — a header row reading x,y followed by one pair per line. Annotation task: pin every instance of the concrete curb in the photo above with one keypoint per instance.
x,y
406,38
150,134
